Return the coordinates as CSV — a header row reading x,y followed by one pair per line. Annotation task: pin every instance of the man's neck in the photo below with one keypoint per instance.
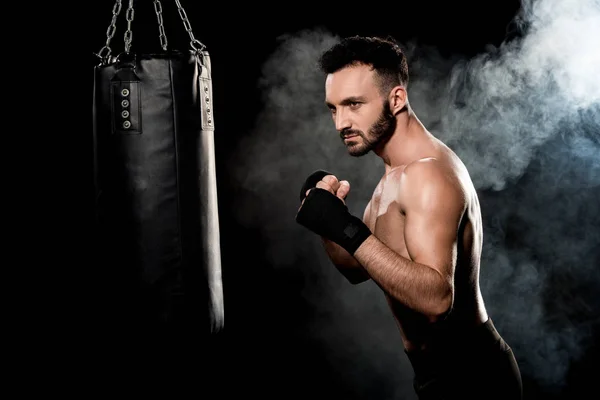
x,y
409,142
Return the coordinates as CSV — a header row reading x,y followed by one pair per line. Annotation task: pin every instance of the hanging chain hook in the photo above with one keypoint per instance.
x,y
105,51
161,29
195,43
129,34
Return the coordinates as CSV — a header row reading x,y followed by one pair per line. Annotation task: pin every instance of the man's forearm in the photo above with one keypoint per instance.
x,y
346,264
415,285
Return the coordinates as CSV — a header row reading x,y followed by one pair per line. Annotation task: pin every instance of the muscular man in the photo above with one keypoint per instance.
x,y
421,234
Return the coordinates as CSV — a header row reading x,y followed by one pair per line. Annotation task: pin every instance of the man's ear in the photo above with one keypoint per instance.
x,y
398,99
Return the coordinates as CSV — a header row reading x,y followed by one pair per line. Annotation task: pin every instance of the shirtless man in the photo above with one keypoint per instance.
x,y
420,238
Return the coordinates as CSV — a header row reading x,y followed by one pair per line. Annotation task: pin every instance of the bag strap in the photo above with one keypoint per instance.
x,y
105,51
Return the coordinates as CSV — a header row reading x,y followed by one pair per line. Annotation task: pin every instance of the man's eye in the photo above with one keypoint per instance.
x,y
354,105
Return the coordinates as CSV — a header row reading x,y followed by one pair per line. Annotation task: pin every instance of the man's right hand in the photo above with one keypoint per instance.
x,y
343,190
326,180
311,182
343,261
334,186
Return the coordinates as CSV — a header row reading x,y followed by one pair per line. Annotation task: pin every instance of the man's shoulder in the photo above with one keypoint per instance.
x,y
428,168
431,178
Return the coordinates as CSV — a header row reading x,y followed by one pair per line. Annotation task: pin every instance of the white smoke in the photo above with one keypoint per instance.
x,y
516,96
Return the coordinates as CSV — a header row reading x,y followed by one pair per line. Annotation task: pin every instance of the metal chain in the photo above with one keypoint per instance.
x,y
110,32
161,28
129,33
105,51
188,27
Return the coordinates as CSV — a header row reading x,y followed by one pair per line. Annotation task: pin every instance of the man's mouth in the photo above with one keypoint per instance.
x,y
348,134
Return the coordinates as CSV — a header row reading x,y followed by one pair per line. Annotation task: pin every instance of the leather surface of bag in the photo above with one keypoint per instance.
x,y
155,185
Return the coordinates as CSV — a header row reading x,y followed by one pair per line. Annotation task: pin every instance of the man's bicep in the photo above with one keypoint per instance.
x,y
431,239
433,215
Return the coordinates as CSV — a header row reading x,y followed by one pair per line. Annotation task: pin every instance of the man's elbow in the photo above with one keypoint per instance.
x,y
441,307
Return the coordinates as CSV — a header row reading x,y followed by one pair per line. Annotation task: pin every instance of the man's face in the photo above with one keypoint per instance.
x,y
361,114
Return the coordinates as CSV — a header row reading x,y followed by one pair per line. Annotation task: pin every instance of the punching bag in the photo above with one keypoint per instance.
x,y
155,181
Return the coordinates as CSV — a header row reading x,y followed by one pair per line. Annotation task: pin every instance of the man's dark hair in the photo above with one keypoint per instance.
x,y
384,55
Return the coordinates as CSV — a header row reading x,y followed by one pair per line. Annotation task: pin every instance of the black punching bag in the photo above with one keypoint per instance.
x,y
155,184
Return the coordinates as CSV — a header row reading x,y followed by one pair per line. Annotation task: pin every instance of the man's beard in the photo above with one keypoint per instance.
x,y
379,132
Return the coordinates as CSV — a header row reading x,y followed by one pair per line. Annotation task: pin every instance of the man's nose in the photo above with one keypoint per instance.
x,y
342,122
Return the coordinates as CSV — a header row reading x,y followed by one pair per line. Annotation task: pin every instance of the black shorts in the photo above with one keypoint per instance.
x,y
477,365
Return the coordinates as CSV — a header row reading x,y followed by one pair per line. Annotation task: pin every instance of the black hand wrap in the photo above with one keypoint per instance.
x,y
312,181
326,215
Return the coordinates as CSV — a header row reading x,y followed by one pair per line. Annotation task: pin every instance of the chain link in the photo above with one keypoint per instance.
x,y
110,32
188,27
161,29
129,34
105,51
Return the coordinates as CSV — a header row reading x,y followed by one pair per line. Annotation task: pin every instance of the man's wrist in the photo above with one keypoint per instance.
x,y
354,234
